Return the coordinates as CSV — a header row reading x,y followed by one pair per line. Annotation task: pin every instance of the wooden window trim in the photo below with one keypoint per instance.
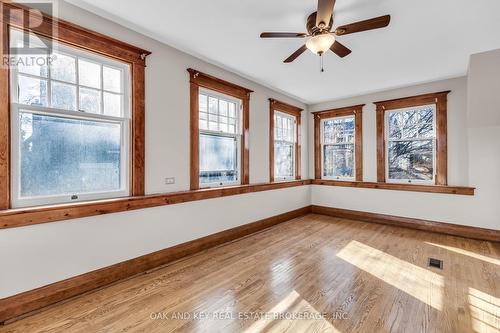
x,y
440,100
12,15
275,105
198,79
357,112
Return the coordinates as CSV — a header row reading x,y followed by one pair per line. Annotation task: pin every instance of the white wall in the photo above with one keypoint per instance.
x,y
40,254
37,255
473,153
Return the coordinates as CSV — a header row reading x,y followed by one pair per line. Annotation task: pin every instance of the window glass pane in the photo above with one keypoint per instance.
x,y
213,105
63,96
32,91
283,159
112,79
218,159
413,123
338,160
112,104
202,101
63,68
89,74
66,156
339,130
36,67
17,39
232,110
90,100
203,121
284,128
223,107
411,160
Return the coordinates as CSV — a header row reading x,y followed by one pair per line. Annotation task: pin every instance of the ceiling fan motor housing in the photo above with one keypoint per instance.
x,y
312,29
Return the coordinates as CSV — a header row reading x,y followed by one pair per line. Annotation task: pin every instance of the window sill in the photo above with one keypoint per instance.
x,y
460,190
19,217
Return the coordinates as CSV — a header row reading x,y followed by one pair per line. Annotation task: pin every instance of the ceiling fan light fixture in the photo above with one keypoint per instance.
x,y
319,44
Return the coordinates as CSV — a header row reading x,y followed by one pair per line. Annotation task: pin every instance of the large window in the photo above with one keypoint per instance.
x,y
284,146
337,147
411,139
338,144
284,141
411,144
70,125
220,135
219,112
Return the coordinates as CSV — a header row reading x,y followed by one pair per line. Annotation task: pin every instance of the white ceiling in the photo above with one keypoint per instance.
x,y
427,40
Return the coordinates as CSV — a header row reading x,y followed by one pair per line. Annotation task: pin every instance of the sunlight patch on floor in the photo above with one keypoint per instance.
x,y
467,253
485,311
292,305
416,281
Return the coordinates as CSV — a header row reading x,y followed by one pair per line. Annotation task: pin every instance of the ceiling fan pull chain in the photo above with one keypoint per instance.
x,y
321,62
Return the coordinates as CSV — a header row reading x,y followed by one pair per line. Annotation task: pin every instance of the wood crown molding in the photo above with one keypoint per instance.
x,y
406,222
23,303
275,105
459,190
18,217
14,14
440,100
198,79
357,112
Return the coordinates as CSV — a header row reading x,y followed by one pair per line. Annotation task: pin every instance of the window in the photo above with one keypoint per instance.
x,y
284,146
338,144
337,147
219,131
220,136
411,144
70,126
411,139
284,141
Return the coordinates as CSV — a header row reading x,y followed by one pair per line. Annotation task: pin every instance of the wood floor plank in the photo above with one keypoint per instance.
x,y
315,273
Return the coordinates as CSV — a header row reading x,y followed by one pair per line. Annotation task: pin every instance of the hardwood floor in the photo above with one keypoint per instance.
x,y
314,273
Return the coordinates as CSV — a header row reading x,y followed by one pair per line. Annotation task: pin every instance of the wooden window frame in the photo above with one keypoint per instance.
x,y
275,105
198,79
357,112
440,100
14,15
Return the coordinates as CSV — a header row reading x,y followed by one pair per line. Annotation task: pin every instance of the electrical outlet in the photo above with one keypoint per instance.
x,y
169,181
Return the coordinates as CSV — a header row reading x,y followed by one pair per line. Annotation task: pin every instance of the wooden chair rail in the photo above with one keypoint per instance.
x,y
19,217
462,190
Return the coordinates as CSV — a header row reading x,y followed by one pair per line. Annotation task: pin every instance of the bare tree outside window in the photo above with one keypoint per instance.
x,y
411,142
338,141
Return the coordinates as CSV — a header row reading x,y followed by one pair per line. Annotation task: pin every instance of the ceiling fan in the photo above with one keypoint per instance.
x,y
321,37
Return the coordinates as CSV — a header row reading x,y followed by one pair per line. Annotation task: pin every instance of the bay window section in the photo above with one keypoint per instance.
x,y
219,139
70,126
338,144
412,140
338,148
285,139
411,144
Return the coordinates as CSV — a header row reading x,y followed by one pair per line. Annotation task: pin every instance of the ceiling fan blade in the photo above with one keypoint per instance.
x,y
340,49
324,13
374,23
282,35
295,54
